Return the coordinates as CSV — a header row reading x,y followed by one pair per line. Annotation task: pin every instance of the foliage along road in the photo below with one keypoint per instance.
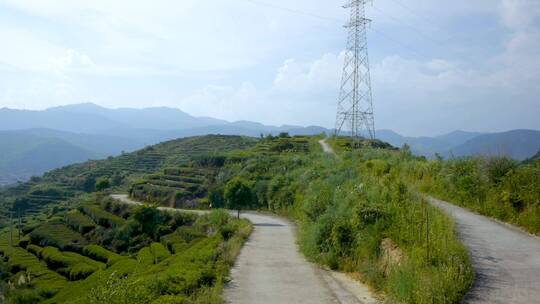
x,y
270,269
506,260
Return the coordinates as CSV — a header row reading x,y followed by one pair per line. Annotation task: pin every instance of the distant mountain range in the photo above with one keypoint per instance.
x,y
517,144
33,142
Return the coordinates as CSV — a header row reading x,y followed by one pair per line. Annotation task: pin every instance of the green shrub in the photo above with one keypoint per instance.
x,y
79,222
81,271
45,282
34,249
101,254
102,217
72,264
153,254
57,235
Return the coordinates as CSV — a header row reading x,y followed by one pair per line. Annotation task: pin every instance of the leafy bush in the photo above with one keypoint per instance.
x,y
79,222
101,254
34,249
153,254
102,217
57,235
71,264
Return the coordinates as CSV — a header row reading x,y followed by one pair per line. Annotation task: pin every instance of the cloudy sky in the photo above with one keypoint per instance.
x,y
437,65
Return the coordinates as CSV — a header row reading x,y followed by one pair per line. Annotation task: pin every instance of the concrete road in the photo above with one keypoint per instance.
x,y
271,270
326,147
506,260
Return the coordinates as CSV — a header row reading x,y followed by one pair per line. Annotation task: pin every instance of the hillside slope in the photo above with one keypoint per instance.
x,y
517,144
60,185
427,146
26,155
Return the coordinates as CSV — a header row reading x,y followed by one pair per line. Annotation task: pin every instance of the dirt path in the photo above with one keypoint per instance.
x,y
505,259
326,147
271,270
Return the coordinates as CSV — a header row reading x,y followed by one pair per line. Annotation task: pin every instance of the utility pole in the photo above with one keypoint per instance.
x,y
11,229
19,230
355,105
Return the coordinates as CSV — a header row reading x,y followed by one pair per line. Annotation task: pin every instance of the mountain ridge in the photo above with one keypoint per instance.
x,y
96,131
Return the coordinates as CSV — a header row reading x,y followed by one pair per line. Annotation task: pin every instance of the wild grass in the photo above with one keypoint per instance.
x,y
357,214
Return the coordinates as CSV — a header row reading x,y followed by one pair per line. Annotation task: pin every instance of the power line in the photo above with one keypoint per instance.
x,y
415,29
295,11
419,16
308,14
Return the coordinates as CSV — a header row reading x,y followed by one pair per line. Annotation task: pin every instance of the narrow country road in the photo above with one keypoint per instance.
x,y
505,259
270,269
326,147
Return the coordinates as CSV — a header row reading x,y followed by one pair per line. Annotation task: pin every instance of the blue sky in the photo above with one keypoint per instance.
x,y
437,65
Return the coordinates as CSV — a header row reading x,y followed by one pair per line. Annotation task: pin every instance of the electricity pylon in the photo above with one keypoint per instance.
x,y
355,106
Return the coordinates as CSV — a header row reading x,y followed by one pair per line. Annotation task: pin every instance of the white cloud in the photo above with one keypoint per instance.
x,y
520,14
127,52
321,74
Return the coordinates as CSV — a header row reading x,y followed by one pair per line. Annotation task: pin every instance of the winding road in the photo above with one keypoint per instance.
x,y
271,270
506,260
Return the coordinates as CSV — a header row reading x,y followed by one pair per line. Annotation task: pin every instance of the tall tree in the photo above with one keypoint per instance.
x,y
238,195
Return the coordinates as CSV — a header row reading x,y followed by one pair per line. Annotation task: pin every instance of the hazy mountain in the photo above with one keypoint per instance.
x,y
32,142
158,118
145,124
518,144
67,134
427,146
24,155
458,137
57,120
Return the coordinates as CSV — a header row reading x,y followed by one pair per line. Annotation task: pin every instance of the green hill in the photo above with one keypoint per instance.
x,y
349,210
60,185
517,144
26,155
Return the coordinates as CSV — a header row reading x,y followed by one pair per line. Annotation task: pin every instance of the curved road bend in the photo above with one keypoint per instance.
x,y
506,260
270,269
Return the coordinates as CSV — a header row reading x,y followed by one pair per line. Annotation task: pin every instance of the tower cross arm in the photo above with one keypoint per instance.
x,y
353,3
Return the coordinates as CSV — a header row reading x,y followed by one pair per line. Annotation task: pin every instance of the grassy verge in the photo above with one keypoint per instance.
x,y
497,187
356,214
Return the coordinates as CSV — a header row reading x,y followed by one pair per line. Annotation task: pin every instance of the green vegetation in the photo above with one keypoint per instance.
x,y
102,217
101,254
174,187
358,212
238,195
57,188
79,222
128,262
497,187
56,234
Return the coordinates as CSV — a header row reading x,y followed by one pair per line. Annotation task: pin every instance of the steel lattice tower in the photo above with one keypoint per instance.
x,y
355,107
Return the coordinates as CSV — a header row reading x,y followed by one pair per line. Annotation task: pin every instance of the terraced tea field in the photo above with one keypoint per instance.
x,y
76,258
